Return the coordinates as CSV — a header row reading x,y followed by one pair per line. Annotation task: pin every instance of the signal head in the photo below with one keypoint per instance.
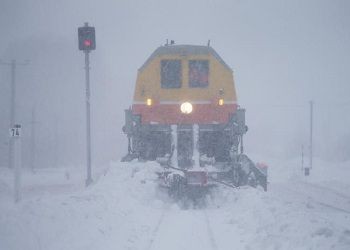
x,y
86,36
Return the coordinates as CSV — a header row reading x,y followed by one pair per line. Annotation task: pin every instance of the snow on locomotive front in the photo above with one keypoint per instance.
x,y
185,85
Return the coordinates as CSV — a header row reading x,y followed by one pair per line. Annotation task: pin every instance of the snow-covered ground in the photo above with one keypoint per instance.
x,y
124,209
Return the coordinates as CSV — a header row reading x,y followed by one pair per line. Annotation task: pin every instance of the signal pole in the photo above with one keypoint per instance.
x,y
88,126
13,64
87,42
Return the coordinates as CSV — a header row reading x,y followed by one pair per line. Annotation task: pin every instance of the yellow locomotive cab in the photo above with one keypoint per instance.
x,y
176,74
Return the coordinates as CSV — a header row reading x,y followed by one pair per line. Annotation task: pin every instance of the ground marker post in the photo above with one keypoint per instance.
x,y
15,134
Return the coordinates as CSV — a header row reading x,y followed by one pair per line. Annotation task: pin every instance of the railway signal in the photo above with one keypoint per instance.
x,y
87,42
86,35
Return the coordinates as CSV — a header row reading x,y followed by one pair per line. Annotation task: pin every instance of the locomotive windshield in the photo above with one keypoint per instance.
x,y
171,74
198,73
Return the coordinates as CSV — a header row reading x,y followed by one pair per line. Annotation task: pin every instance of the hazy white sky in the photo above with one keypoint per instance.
x,y
284,53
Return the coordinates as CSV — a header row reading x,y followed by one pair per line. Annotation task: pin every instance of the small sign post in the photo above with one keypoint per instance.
x,y
15,131
15,134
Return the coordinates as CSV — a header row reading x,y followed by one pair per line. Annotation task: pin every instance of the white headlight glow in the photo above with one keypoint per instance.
x,y
149,102
186,108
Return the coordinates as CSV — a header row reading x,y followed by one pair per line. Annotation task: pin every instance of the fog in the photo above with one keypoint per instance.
x,y
283,53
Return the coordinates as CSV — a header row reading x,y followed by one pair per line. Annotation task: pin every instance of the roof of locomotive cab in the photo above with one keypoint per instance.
x,y
184,50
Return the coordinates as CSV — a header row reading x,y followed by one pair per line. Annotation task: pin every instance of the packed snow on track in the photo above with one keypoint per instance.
x,y
125,209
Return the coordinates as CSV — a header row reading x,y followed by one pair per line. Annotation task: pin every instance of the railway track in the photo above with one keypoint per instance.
x,y
192,228
155,231
210,232
183,229
326,189
321,196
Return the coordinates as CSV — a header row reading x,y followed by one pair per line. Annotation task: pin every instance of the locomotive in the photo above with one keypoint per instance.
x,y
185,116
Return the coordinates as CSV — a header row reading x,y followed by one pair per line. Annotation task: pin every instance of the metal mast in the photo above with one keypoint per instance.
x,y
87,42
88,125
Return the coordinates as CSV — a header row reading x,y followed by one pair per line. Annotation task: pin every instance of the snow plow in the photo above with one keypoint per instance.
x,y
185,116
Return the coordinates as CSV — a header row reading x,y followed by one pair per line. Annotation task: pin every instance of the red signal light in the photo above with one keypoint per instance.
x,y
87,43
86,38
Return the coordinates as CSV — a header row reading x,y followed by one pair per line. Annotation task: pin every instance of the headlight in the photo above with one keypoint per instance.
x,y
149,102
186,108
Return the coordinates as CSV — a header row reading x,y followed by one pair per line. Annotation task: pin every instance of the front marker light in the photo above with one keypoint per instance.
x,y
186,108
221,102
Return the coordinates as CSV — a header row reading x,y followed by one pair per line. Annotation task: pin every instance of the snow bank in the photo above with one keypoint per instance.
x,y
125,209
111,214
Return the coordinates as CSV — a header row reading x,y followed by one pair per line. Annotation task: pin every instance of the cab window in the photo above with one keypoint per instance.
x,y
171,74
198,73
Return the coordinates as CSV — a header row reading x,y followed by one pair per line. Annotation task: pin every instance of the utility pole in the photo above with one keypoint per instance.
x,y
307,169
33,141
13,110
311,132
86,39
13,64
55,148
302,157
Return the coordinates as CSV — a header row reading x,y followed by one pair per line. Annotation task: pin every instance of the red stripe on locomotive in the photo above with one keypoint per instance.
x,y
171,113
